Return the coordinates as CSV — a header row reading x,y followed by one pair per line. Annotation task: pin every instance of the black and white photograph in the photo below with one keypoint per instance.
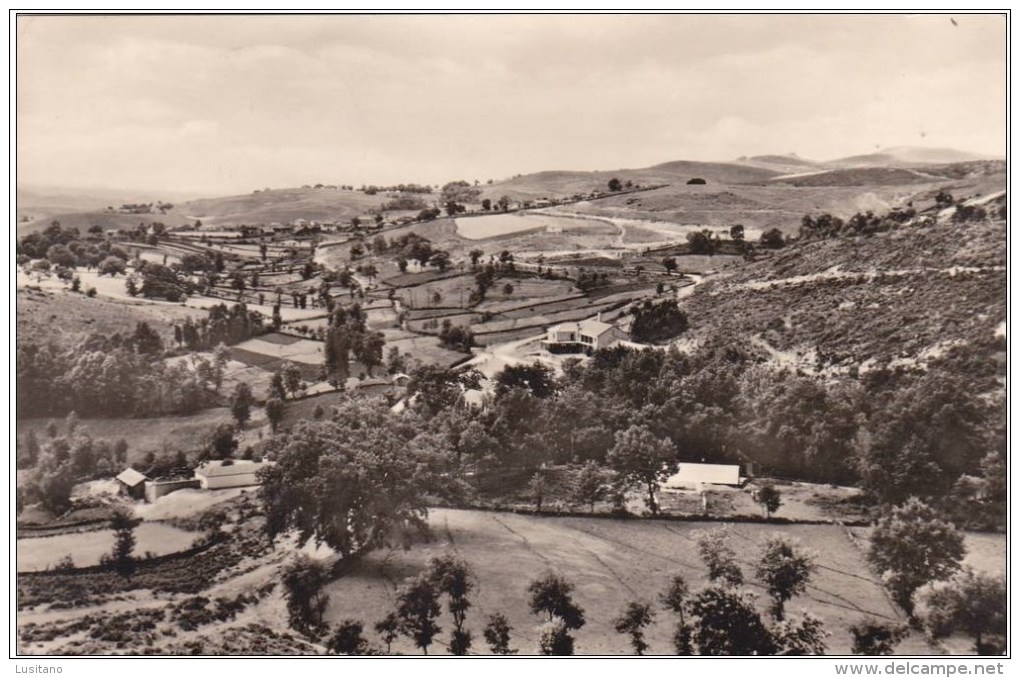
x,y
510,335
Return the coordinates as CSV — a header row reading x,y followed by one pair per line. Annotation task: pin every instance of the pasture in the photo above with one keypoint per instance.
x,y
86,548
612,562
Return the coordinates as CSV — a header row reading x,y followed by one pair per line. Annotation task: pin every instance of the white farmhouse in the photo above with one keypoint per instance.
x,y
586,336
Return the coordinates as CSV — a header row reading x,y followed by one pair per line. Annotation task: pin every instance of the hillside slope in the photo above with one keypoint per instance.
x,y
901,298
555,183
282,205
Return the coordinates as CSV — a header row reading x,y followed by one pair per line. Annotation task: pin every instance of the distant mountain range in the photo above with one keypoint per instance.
x,y
726,186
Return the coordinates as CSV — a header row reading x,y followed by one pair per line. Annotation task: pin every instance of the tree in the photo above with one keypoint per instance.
x,y
355,482
347,639
911,546
277,390
701,242
550,595
537,378
554,639
291,377
240,403
123,526
274,412
614,185
728,624
785,570
719,557
222,444
641,457
112,266
145,339
669,263
773,239
974,603
769,499
588,486
508,289
389,628
417,609
633,622
675,599
658,321
873,638
737,232
454,577
537,489
303,580
440,260
497,634
804,637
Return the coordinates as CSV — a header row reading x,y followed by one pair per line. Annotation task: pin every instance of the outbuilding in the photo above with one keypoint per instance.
x,y
218,475
691,475
132,483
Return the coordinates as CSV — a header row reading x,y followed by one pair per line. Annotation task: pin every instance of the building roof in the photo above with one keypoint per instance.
x,y
594,327
236,467
590,327
709,474
131,477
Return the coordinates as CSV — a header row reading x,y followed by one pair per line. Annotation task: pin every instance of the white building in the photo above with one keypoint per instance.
x,y
218,475
691,475
586,336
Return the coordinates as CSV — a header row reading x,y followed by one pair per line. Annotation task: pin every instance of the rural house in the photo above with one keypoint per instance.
x,y
132,483
218,475
586,336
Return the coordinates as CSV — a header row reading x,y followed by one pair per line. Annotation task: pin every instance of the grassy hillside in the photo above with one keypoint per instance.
x,y
907,156
282,205
43,315
105,220
559,183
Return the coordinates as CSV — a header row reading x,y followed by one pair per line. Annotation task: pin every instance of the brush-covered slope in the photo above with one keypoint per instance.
x,y
901,298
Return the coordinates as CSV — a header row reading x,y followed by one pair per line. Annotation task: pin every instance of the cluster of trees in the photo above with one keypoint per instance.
x,y
868,223
657,321
395,188
459,192
456,337
897,433
590,280
223,324
58,463
348,336
159,281
66,247
115,376
404,202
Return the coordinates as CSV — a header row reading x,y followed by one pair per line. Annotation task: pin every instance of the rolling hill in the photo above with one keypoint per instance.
x,y
908,156
105,220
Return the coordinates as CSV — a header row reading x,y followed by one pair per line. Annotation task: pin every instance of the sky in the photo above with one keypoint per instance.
x,y
216,105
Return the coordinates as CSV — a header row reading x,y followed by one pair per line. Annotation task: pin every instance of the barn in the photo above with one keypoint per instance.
x,y
132,483
695,475
218,475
